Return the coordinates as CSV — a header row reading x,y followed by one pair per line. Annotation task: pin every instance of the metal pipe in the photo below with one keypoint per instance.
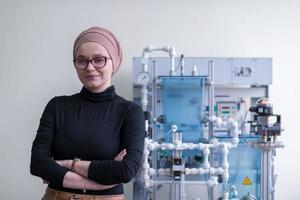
x,y
211,113
211,97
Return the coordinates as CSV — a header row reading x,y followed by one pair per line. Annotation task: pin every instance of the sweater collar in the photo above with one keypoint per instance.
x,y
108,94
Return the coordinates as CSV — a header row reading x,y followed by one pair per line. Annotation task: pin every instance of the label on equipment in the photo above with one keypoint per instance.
x,y
247,181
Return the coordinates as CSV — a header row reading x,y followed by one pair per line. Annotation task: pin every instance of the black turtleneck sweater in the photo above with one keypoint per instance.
x,y
94,127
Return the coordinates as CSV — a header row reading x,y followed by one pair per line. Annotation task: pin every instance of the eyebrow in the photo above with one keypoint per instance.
x,y
93,56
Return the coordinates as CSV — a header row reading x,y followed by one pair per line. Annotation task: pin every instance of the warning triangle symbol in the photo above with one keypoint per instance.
x,y
247,181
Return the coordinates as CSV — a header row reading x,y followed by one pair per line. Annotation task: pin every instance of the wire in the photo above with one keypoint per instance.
x,y
162,162
178,65
243,126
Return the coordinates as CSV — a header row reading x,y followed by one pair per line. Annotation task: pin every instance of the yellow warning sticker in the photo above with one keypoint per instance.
x,y
247,181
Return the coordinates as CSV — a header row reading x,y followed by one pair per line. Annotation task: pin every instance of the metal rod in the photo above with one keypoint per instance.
x,y
154,135
211,113
211,97
265,175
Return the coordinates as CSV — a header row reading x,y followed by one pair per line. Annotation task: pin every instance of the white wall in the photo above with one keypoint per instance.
x,y
36,39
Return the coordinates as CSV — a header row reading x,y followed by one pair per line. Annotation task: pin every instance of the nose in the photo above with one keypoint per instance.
x,y
90,67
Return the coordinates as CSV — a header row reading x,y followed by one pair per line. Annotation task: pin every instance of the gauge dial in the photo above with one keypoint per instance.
x,y
143,78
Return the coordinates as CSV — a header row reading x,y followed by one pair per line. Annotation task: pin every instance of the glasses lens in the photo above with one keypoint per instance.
x,y
81,63
99,62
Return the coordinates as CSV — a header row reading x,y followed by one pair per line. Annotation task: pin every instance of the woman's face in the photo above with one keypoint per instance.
x,y
94,79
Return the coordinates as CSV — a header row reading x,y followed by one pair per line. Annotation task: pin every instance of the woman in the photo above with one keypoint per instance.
x,y
89,143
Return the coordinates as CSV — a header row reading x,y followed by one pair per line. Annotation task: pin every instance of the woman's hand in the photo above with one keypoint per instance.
x,y
75,181
78,178
65,163
121,155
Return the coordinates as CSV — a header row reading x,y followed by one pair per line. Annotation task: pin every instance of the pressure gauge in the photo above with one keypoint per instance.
x,y
143,78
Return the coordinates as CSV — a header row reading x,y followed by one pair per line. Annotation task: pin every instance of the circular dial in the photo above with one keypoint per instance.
x,y
143,78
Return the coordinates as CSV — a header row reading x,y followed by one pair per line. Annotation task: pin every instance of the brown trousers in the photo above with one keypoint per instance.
x,y
52,194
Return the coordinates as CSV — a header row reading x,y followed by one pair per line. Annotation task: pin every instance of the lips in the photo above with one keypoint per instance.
x,y
91,76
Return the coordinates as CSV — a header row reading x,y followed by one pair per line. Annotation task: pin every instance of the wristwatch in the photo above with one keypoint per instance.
x,y
75,160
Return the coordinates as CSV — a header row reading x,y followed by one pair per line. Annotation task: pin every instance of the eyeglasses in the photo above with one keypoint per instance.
x,y
97,62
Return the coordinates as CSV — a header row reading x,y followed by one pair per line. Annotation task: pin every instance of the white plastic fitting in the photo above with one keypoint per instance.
x,y
213,181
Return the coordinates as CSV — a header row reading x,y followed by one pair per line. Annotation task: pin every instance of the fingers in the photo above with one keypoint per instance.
x,y
59,162
117,159
121,155
63,163
104,187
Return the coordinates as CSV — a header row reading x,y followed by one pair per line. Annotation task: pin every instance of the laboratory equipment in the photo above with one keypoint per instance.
x,y
210,129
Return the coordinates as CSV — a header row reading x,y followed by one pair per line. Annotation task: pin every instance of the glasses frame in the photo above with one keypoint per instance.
x,y
91,61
